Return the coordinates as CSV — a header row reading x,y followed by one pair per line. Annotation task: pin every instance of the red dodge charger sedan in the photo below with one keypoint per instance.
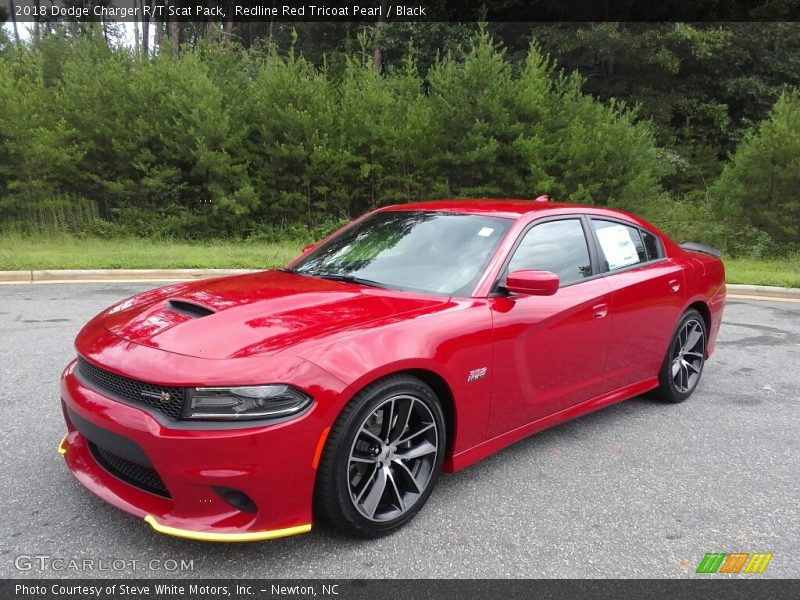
x,y
419,338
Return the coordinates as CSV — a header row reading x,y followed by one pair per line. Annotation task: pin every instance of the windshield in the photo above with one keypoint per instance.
x,y
425,251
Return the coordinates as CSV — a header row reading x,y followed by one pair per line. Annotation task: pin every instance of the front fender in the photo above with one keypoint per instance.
x,y
450,345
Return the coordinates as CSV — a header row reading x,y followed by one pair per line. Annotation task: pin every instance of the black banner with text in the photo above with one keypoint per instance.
x,y
403,589
370,11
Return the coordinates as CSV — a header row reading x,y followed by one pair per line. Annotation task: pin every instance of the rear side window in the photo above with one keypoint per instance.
x,y
651,245
622,245
557,246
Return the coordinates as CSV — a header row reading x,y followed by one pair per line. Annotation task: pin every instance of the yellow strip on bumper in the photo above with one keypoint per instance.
x,y
62,449
251,536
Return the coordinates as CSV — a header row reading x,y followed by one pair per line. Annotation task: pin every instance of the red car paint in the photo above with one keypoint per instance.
x,y
547,359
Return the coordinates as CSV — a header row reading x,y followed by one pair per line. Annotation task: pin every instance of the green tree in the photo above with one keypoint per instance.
x,y
385,124
290,142
471,100
703,85
4,38
578,148
38,149
761,184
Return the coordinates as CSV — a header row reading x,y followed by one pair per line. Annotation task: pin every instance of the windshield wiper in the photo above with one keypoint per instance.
x,y
346,279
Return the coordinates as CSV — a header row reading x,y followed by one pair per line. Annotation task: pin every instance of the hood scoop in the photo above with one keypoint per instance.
x,y
189,309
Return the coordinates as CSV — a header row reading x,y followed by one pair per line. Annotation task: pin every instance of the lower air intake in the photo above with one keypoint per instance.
x,y
138,476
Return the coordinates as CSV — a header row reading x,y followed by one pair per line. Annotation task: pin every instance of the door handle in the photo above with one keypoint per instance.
x,y
674,285
600,310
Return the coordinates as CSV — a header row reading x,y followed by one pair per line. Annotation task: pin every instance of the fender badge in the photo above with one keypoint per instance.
x,y
476,374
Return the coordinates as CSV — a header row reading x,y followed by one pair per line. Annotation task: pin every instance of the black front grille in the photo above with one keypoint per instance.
x,y
138,476
166,400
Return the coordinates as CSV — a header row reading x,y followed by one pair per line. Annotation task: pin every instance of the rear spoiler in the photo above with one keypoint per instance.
x,y
696,247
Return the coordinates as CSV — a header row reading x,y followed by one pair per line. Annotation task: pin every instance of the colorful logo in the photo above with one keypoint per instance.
x,y
734,562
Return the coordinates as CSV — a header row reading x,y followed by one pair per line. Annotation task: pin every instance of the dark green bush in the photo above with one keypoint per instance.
x,y
253,143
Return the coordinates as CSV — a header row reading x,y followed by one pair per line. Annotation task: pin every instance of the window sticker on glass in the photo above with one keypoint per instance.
x,y
486,232
618,246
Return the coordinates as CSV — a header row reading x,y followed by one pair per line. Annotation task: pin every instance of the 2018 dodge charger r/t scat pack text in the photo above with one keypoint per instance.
x,y
419,338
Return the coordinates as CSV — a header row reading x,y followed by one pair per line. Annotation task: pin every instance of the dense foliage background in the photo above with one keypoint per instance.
x,y
271,130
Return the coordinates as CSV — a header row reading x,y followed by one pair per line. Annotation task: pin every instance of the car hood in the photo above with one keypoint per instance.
x,y
256,314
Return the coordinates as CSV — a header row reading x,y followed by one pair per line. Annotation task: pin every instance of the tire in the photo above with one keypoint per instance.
x,y
367,487
683,365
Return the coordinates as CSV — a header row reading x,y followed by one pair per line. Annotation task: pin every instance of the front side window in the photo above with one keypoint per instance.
x,y
621,245
557,246
426,251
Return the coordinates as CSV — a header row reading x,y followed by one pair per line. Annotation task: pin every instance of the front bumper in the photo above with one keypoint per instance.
x,y
273,465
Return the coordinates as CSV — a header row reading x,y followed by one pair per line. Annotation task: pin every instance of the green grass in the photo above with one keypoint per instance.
x,y
19,252
783,272
71,252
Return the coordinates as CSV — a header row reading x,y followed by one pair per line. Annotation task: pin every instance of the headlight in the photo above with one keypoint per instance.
x,y
242,403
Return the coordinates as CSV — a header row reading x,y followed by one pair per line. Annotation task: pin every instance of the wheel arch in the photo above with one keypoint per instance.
x,y
705,312
433,379
444,393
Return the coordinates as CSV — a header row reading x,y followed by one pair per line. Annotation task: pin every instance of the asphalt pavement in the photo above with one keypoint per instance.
x,y
640,489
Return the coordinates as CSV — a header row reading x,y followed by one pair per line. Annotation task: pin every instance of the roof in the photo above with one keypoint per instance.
x,y
509,208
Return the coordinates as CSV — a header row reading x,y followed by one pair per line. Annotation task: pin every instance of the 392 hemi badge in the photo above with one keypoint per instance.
x,y
163,397
476,374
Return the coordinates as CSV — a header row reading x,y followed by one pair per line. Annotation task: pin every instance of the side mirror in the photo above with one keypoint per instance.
x,y
532,283
308,248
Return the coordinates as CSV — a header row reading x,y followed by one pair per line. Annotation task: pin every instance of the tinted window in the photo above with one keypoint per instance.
x,y
436,252
652,245
622,245
557,246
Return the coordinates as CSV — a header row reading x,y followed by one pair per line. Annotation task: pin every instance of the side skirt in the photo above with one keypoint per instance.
x,y
472,455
